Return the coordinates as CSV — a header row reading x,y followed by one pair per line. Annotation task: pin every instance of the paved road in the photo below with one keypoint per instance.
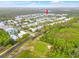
x,y
19,44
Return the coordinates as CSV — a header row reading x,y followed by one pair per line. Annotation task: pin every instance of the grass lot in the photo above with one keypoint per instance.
x,y
35,49
40,48
26,54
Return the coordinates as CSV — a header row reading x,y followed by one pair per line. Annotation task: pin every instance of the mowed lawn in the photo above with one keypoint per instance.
x,y
35,49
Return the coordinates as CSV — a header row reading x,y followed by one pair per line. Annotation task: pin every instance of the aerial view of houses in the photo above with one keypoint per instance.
x,y
39,29
28,24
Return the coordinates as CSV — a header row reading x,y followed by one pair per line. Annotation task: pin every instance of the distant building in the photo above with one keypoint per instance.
x,y
35,29
14,37
12,31
21,34
2,25
46,11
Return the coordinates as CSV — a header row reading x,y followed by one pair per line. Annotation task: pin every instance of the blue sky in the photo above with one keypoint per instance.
x,y
55,3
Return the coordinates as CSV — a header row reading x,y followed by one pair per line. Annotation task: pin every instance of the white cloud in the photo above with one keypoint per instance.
x,y
56,1
32,4
4,4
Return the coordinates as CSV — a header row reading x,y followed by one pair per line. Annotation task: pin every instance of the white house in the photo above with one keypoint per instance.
x,y
2,25
21,34
37,28
14,37
12,31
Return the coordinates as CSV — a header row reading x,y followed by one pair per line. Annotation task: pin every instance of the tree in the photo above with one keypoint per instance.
x,y
5,38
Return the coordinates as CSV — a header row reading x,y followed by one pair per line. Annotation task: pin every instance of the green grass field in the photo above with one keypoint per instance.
x,y
36,49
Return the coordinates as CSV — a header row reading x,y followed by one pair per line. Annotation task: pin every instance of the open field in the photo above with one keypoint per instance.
x,y
35,49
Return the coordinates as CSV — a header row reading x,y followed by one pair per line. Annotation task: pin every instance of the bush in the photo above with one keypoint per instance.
x,y
5,38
